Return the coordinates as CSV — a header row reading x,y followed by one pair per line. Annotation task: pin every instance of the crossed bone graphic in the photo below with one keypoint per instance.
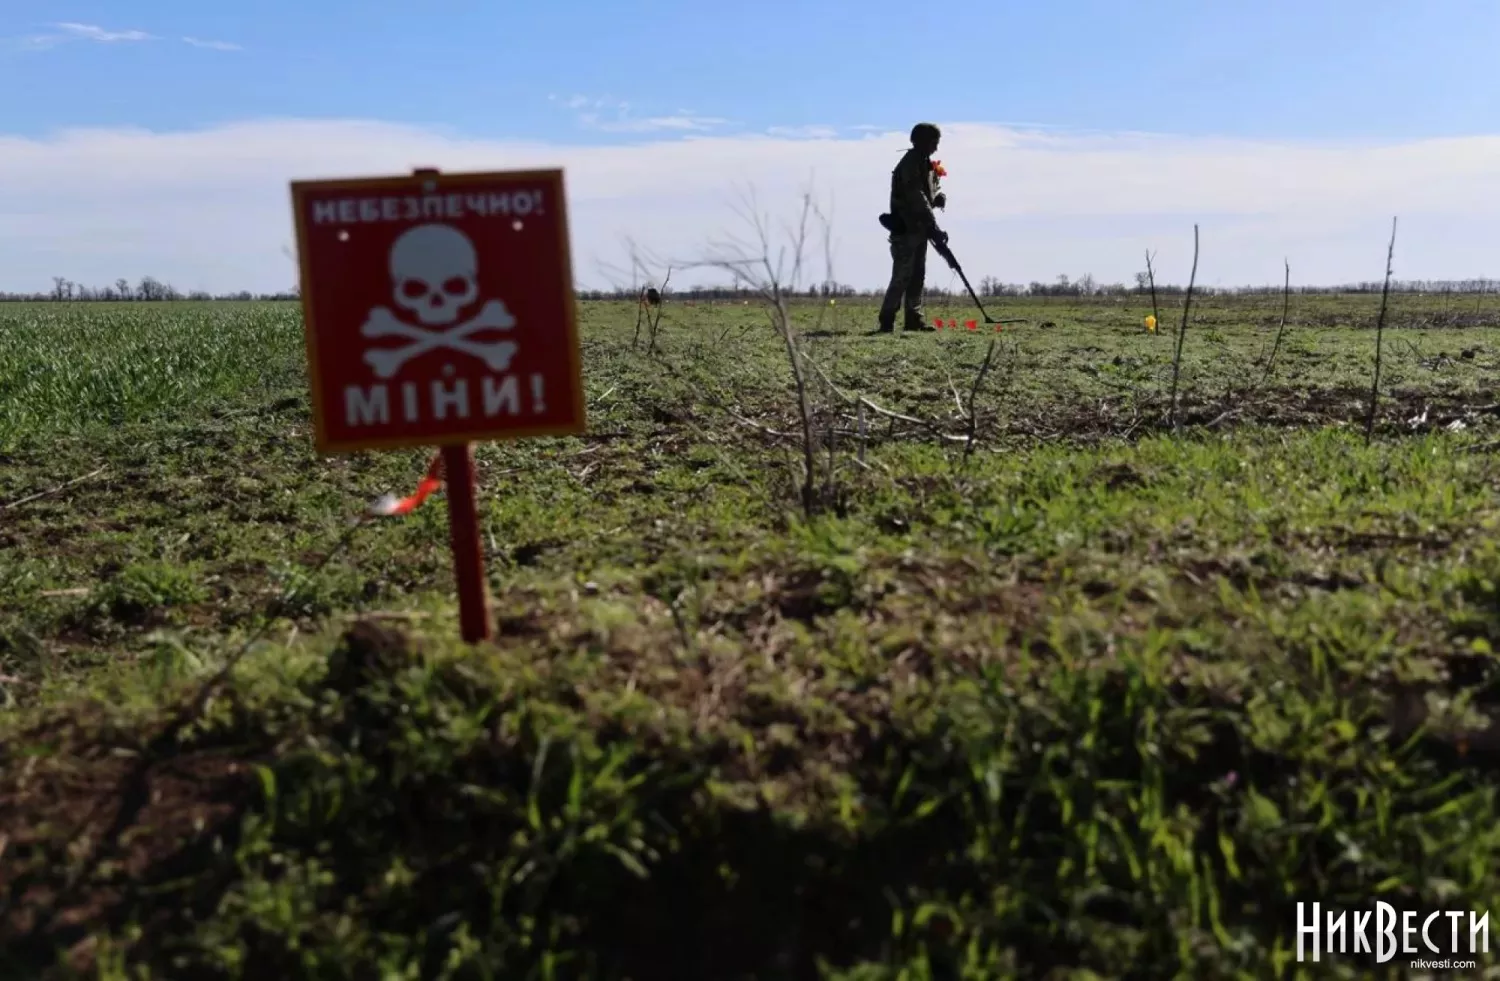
x,y
386,362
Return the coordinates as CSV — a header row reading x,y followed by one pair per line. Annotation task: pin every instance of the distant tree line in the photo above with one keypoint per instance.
x,y
1084,286
151,289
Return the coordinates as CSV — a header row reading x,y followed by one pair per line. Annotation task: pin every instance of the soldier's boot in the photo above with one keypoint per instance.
x,y
917,324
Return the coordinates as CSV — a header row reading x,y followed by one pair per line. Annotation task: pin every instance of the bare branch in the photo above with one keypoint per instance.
x,y
973,394
1385,293
860,400
1286,301
861,421
640,262
752,267
1187,305
654,322
54,490
1151,278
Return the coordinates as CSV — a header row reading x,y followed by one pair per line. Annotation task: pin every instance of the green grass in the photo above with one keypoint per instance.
x,y
1099,701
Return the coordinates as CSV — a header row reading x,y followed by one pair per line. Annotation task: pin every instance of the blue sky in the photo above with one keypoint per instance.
x,y
1271,68
158,137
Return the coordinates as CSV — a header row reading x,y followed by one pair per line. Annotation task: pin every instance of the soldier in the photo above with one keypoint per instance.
x,y
912,224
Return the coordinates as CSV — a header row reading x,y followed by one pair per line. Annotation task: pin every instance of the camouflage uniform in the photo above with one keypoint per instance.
x,y
914,184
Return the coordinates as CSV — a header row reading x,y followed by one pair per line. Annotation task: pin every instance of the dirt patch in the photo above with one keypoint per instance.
x,y
1120,476
1130,418
1243,575
90,826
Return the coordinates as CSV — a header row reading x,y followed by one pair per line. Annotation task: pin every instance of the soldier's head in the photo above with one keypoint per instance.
x,y
925,137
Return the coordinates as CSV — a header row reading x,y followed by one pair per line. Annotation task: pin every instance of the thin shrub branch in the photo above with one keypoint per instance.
x,y
1151,281
1187,305
973,413
1385,294
751,265
1286,302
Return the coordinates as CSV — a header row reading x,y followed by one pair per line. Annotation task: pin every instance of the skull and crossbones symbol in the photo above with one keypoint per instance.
x,y
435,270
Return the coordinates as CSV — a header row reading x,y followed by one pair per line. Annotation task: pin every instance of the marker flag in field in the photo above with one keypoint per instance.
x,y
971,324
952,322
392,506
937,322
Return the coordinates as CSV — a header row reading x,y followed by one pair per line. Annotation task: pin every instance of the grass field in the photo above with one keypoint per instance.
x,y
1094,700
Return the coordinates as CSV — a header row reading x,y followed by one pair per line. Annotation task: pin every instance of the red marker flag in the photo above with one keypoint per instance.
x,y
391,506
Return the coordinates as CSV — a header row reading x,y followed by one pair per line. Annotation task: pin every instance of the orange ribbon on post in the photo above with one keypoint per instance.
x,y
392,506
454,465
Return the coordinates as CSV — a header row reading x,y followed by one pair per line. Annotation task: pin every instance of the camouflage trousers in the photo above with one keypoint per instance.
x,y
908,271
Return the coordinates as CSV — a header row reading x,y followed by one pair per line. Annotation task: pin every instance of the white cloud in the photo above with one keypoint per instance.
x,y
64,32
93,32
606,114
591,103
209,209
211,45
813,132
71,31
654,124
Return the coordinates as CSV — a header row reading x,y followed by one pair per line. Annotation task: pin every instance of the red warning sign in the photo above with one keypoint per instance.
x,y
438,309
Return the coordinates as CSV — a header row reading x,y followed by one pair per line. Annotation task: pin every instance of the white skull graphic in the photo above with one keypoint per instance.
x,y
434,269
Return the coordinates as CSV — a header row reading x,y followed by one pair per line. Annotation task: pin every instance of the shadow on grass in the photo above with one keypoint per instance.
x,y
427,815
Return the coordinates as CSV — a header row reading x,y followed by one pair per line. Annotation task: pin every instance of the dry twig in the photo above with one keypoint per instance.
x,y
1286,301
751,266
973,414
653,313
1187,305
860,400
1385,292
1151,279
55,490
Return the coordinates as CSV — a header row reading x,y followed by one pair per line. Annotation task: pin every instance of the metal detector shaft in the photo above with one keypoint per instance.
x,y
947,254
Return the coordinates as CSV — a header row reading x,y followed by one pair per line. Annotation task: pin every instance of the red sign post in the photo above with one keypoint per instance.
x,y
439,311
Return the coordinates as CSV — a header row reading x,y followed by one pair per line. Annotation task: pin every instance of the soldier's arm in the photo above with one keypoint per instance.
x,y
910,179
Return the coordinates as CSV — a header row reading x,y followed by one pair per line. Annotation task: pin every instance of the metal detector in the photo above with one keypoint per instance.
x,y
947,254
